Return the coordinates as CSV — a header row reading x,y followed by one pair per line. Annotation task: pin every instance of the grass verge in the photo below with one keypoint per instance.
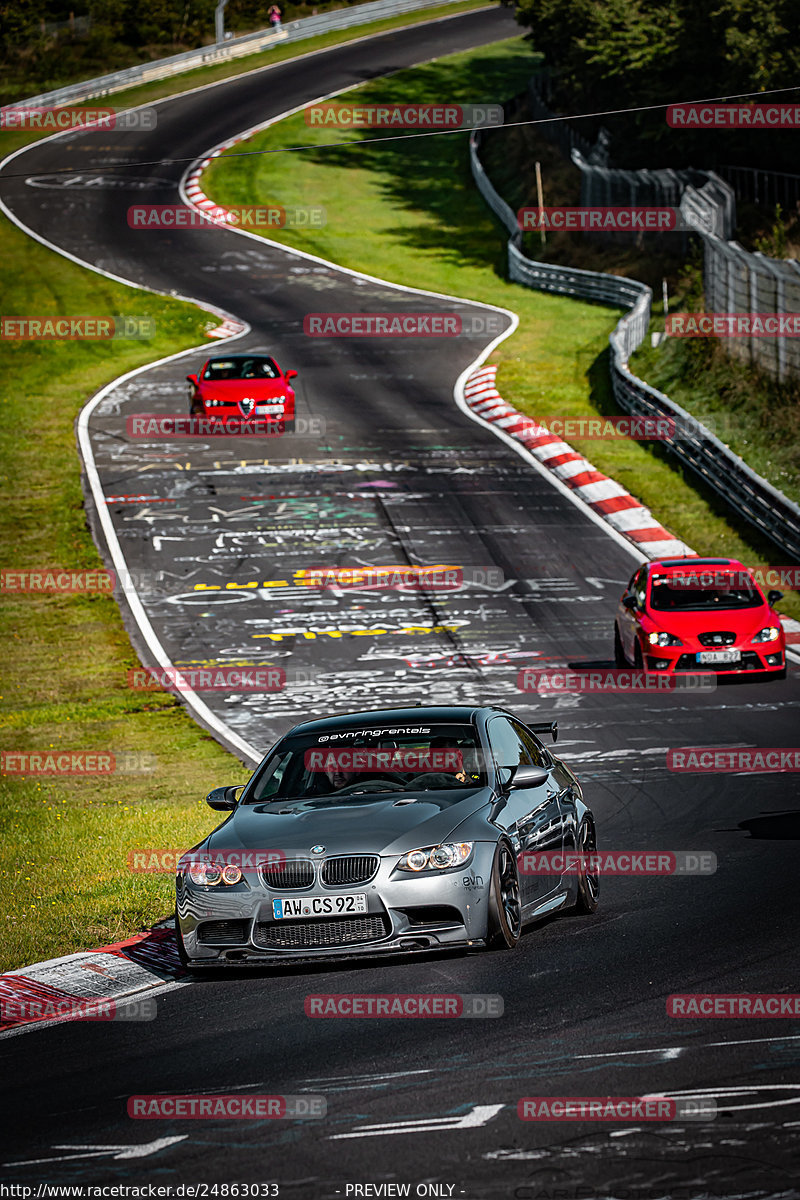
x,y
408,211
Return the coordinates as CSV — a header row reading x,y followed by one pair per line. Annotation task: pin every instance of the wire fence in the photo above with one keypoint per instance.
x,y
735,280
767,188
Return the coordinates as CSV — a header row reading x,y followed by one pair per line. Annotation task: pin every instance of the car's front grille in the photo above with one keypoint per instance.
x,y
350,868
289,876
749,662
222,933
340,931
717,637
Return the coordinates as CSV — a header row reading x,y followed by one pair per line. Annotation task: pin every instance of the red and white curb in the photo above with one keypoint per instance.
x,y
215,212
61,989
602,495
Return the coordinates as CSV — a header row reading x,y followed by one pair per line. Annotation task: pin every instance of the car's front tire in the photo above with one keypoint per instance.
x,y
505,904
619,653
588,881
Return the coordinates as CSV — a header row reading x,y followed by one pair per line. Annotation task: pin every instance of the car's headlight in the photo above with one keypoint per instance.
x,y
437,858
205,873
660,638
769,634
209,403
209,874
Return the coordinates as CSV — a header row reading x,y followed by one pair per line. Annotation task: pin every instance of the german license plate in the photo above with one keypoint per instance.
x,y
719,656
319,906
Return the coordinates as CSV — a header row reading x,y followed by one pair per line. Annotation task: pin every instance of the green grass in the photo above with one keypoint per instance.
x,y
408,211
64,882
751,412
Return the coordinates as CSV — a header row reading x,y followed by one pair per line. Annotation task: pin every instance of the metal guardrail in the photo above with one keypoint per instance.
x,y
767,509
164,68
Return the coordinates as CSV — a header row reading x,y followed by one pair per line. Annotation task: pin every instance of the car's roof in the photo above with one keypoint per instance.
x,y
458,713
671,564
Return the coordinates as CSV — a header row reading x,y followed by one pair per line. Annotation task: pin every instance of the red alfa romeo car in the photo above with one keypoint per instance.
x,y
244,385
699,614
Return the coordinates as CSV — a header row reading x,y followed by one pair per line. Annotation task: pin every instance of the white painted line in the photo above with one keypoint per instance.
x,y
481,1114
117,1152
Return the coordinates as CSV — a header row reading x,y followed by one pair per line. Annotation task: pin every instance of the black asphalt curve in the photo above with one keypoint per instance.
x,y
424,1107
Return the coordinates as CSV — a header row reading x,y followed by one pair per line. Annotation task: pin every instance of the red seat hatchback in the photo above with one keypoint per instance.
x,y
699,614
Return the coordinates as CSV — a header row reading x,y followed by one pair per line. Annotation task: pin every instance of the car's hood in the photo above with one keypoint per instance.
x,y
235,389
742,621
353,825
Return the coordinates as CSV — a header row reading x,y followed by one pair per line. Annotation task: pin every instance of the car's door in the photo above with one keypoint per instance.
x,y
531,815
629,617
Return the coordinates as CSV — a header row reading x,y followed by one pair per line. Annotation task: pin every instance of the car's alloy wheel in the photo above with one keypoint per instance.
x,y
619,653
505,905
588,880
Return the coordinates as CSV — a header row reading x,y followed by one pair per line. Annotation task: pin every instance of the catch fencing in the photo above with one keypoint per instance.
x,y
735,280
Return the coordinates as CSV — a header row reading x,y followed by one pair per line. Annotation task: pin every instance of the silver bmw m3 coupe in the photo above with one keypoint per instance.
x,y
388,832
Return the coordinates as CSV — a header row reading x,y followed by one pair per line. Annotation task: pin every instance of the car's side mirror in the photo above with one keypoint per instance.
x,y
193,379
773,598
290,375
629,602
223,798
549,727
529,777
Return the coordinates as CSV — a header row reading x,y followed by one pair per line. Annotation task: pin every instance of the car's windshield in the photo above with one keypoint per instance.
x,y
354,762
241,368
678,594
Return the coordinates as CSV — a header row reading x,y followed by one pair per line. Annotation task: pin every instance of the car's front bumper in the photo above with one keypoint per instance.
x,y
755,660
236,926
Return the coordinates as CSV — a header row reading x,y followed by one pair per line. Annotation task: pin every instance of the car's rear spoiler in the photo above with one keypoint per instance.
x,y
550,727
